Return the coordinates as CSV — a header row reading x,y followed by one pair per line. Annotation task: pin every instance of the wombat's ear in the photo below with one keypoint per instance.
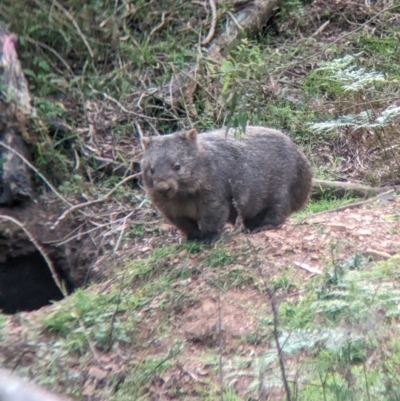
x,y
145,142
191,134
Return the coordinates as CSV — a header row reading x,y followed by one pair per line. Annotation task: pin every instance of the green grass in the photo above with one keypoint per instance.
x,y
100,315
104,314
143,372
337,325
220,257
383,51
322,205
338,330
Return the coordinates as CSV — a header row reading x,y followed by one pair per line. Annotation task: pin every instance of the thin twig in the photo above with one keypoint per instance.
x,y
321,28
86,333
139,130
213,25
41,251
102,199
236,22
78,29
221,343
276,323
122,231
278,346
160,25
202,87
124,109
36,171
113,317
50,49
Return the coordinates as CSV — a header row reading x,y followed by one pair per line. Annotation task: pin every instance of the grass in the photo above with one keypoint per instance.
x,y
322,205
334,359
338,330
342,317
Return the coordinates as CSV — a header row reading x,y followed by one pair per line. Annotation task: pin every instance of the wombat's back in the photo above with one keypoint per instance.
x,y
266,167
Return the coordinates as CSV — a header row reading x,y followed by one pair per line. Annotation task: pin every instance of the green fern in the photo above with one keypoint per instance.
x,y
354,79
363,120
350,76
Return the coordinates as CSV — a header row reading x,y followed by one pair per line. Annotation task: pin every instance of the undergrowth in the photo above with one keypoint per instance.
x,y
346,318
89,62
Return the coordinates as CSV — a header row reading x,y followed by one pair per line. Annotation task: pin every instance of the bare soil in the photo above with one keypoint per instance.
x,y
226,320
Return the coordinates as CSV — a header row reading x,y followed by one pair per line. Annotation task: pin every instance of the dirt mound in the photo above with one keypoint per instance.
x,y
26,282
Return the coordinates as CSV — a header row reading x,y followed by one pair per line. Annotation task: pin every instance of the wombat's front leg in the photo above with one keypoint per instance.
x,y
192,231
187,225
211,222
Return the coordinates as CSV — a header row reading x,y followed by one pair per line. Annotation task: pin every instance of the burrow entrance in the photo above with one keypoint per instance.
x,y
26,283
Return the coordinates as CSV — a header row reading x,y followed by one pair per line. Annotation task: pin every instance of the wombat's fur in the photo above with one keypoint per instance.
x,y
201,181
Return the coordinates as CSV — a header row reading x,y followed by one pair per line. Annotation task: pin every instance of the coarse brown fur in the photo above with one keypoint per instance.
x,y
199,182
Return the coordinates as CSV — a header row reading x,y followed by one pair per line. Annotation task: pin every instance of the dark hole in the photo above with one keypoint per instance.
x,y
26,284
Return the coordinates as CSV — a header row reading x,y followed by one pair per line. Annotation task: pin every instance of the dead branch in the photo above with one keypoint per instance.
x,y
89,203
341,188
213,25
12,388
384,195
250,19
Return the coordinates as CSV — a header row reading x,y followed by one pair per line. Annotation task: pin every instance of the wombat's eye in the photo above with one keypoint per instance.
x,y
177,167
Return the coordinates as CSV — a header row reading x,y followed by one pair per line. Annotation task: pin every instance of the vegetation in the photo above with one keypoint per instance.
x,y
194,322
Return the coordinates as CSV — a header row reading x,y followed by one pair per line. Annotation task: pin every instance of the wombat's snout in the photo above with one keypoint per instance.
x,y
166,188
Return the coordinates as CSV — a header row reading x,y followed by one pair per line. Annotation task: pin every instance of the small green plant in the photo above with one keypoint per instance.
x,y
86,317
364,120
136,383
236,277
357,86
244,64
283,282
220,257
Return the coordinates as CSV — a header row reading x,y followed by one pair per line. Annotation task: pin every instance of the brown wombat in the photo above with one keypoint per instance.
x,y
201,181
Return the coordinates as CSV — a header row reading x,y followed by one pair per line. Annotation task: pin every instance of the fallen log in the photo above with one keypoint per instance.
x,y
342,188
251,18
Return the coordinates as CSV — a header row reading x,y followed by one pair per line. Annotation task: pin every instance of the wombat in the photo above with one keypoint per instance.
x,y
199,182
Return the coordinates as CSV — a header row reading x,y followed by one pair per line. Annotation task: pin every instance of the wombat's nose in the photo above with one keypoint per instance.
x,y
163,188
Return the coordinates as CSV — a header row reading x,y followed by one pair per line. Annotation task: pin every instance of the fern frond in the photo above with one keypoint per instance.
x,y
363,120
349,76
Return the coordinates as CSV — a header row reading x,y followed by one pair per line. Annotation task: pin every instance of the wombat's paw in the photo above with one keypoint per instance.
x,y
206,238
265,228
